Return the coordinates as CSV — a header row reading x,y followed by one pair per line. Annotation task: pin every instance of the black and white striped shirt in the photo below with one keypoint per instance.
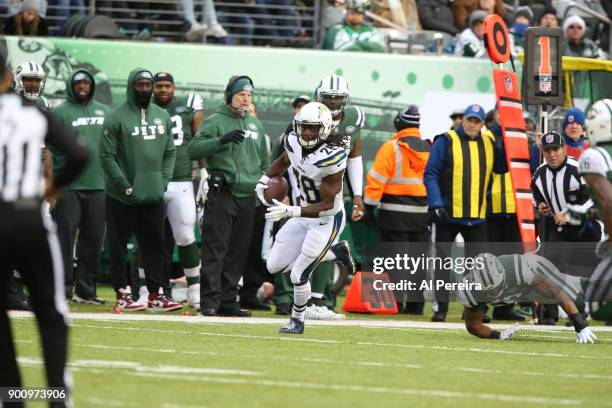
x,y
24,130
559,187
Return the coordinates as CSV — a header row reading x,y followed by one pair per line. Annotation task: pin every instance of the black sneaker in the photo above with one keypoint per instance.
x,y
294,326
342,250
283,309
15,303
233,311
438,317
94,300
254,304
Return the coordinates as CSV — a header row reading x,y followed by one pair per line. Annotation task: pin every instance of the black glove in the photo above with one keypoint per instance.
x,y
368,217
235,136
439,215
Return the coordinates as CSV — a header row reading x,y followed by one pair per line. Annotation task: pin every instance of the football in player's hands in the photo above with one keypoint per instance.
x,y
277,189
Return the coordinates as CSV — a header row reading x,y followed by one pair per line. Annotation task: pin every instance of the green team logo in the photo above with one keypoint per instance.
x,y
148,132
88,121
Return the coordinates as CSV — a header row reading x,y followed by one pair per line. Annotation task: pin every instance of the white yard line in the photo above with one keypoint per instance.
x,y
374,390
268,320
176,373
137,367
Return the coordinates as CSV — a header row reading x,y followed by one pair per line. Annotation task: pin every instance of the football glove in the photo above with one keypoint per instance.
x,y
202,193
280,211
235,136
508,333
439,215
261,186
585,335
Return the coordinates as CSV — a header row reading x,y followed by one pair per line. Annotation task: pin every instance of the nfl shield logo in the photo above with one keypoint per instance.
x,y
508,84
549,138
545,83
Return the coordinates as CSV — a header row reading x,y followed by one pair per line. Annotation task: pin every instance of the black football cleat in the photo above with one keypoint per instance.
x,y
342,250
294,326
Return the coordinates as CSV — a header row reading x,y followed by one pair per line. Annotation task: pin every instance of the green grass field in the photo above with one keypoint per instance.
x,y
193,363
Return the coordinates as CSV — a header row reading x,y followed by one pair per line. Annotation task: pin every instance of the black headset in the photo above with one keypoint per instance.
x,y
230,83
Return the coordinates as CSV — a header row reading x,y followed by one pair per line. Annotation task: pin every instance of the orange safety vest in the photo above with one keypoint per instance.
x,y
395,180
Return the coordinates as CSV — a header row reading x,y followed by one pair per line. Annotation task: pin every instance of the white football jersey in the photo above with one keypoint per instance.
x,y
309,171
595,161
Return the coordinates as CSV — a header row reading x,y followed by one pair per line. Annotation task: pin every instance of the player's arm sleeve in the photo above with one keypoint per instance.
x,y
379,174
435,165
206,141
108,155
537,194
355,174
195,102
61,139
169,155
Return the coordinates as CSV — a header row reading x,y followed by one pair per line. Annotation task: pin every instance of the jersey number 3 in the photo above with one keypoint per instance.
x,y
177,130
307,188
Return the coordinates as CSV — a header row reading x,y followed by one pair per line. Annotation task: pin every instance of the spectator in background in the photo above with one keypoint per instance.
x,y
63,9
574,136
522,21
276,20
236,16
395,185
457,118
209,26
576,44
462,9
333,13
233,144
137,154
470,42
353,34
81,206
27,21
549,18
437,15
404,13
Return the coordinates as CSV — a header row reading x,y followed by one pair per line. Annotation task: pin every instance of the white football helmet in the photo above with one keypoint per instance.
x,y
28,70
333,92
599,122
313,113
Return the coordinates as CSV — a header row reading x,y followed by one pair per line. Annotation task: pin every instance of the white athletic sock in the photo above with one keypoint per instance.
x,y
141,273
316,295
192,272
301,294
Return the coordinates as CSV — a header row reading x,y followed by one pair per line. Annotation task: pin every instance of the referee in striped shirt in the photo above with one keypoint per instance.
x,y
27,241
555,184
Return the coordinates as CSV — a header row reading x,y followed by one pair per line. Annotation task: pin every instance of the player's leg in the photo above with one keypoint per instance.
x,y
67,214
120,221
599,288
89,245
317,242
287,246
150,235
9,374
181,213
43,275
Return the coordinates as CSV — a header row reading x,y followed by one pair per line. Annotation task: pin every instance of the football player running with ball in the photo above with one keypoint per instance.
x,y
310,235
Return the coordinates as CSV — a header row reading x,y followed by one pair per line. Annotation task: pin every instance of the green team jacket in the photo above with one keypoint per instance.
x,y
343,37
242,164
86,122
137,151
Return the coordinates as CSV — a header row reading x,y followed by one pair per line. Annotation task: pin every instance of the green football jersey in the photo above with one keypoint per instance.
x,y
597,160
350,124
182,111
43,103
519,272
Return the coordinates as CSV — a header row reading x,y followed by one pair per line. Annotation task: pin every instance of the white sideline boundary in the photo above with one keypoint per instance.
x,y
370,323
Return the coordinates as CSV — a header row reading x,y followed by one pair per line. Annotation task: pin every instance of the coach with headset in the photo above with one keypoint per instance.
x,y
232,142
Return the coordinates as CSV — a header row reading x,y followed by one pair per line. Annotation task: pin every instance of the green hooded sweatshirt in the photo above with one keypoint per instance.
x,y
86,122
244,163
137,150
